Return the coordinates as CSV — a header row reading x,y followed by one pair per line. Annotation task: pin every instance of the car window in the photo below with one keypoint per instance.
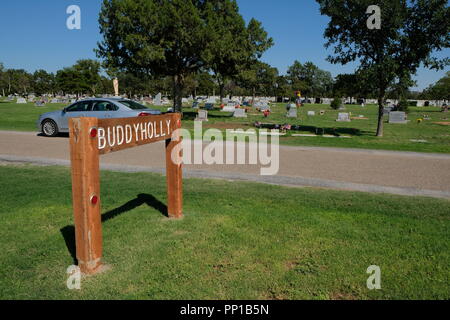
x,y
104,106
132,105
80,107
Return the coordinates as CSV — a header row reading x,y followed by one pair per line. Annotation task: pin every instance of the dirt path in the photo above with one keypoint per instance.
x,y
363,170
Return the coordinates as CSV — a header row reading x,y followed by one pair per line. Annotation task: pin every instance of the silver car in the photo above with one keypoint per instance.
x,y
52,123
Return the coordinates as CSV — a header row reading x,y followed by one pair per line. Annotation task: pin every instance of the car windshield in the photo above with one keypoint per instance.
x,y
132,105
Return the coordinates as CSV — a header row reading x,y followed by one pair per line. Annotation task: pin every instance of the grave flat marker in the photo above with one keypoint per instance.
x,y
239,113
343,117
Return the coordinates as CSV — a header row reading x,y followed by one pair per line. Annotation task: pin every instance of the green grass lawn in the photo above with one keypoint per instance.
x,y
397,136
236,241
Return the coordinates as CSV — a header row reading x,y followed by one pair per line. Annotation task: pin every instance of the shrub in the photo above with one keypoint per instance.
x,y
403,105
336,103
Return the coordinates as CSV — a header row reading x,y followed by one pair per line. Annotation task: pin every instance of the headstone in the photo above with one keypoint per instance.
x,y
157,101
343,117
239,113
209,106
195,105
397,117
264,107
54,101
39,103
292,112
229,108
184,100
211,100
202,115
291,106
322,112
311,113
21,100
225,100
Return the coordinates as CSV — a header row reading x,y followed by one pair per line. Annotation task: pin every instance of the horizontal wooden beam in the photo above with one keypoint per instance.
x,y
123,133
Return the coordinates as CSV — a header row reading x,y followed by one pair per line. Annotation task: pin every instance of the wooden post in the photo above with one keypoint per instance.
x,y
174,174
86,193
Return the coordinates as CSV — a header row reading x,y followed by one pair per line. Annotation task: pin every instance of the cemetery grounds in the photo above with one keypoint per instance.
x,y
426,136
238,240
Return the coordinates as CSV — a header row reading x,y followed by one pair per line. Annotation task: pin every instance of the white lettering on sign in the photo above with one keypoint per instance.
x,y
118,135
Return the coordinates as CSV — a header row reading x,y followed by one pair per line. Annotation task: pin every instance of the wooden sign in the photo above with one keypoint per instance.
x,y
92,137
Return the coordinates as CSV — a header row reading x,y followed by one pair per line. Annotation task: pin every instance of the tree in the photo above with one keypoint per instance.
x,y
17,81
154,37
260,78
2,78
43,82
228,48
83,77
440,90
410,32
309,79
282,87
355,85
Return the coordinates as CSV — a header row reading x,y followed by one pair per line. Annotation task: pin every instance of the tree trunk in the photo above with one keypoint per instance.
x,y
221,88
380,115
254,95
177,92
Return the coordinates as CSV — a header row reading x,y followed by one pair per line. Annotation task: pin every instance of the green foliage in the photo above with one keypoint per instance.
x,y
178,38
43,82
227,49
309,79
403,105
336,103
440,90
81,78
260,78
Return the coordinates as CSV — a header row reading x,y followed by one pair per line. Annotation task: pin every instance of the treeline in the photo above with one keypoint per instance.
x,y
87,77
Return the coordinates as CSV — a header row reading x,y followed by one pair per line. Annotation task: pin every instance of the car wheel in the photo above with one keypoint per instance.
x,y
49,128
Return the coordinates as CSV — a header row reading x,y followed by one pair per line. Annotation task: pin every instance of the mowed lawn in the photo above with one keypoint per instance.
x,y
427,136
236,241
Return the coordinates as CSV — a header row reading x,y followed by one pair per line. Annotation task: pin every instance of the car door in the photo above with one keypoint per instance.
x,y
77,110
103,109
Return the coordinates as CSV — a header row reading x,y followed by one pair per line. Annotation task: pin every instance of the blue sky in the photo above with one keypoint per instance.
x,y
33,34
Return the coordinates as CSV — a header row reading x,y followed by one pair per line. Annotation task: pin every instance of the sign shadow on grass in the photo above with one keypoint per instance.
x,y
68,232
